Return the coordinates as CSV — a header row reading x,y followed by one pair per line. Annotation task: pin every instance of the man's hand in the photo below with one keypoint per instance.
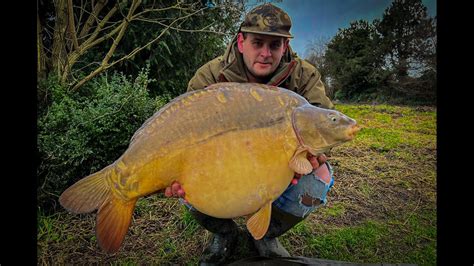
x,y
175,190
316,162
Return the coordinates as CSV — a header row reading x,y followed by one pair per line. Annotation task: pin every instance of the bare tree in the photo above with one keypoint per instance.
x,y
72,28
315,55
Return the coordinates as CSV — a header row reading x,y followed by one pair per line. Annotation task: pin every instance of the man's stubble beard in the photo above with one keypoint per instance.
x,y
258,77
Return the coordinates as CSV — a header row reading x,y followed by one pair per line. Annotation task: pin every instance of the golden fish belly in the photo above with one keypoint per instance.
x,y
236,173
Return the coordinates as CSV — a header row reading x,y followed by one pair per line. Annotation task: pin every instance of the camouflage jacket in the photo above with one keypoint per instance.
x,y
293,73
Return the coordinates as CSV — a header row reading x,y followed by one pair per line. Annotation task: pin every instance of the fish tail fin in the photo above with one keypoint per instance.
x,y
87,194
113,220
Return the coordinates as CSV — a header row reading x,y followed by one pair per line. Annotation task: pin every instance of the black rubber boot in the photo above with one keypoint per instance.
x,y
280,223
223,241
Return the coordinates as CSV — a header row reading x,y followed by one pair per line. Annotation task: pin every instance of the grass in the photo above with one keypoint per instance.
x,y
382,208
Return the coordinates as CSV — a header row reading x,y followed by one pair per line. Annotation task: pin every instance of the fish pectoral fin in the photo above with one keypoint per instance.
x,y
259,222
299,163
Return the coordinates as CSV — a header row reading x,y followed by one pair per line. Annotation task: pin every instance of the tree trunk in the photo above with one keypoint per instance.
x,y
402,68
59,53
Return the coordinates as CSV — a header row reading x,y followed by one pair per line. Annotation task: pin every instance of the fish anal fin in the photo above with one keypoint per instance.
x,y
113,220
299,163
259,222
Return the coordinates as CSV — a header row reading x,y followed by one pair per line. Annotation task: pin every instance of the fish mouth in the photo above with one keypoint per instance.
x,y
352,131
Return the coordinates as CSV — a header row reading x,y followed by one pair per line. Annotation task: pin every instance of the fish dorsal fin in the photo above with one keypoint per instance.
x,y
259,222
299,163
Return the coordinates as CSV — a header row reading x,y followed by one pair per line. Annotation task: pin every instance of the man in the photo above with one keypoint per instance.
x,y
261,53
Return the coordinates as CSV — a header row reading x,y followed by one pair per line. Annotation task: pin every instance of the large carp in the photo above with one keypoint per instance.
x,y
234,147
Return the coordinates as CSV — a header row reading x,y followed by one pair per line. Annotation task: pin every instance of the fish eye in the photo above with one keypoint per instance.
x,y
333,118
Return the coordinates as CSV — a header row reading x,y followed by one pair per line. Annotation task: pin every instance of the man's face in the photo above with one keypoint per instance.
x,y
261,53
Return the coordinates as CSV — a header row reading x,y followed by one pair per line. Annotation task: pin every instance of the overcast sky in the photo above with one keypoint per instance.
x,y
321,19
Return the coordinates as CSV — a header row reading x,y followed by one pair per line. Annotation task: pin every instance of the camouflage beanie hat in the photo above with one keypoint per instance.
x,y
267,19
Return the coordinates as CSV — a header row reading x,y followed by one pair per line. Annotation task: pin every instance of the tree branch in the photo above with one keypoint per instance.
x,y
124,26
90,42
179,29
72,28
92,17
157,38
104,67
80,17
40,48
177,6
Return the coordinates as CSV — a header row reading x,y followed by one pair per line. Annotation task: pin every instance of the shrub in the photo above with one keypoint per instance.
x,y
81,132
